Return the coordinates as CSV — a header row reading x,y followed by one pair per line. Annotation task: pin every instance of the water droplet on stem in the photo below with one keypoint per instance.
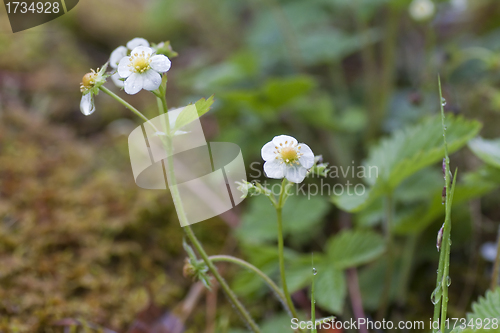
x,y
436,294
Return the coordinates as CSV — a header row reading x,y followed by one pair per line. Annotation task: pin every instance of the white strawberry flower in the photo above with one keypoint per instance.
x,y
123,51
285,157
142,69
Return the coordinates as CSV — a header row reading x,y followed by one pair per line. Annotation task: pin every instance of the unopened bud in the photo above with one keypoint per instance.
x,y
188,270
439,238
248,188
319,168
166,49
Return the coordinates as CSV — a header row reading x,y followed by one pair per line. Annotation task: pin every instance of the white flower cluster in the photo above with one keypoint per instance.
x,y
136,66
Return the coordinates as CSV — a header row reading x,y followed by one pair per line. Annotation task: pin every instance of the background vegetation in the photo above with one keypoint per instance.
x,y
82,246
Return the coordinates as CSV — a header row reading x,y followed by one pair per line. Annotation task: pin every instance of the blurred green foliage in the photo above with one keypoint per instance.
x,y
355,80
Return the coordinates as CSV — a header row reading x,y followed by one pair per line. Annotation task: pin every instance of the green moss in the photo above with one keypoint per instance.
x,y
78,240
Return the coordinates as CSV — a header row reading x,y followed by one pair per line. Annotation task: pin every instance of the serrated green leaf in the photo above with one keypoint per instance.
x,y
203,105
487,306
351,248
330,288
406,152
193,112
487,150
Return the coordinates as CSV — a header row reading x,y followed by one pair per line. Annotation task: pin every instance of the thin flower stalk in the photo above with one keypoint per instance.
x,y
281,255
262,275
189,232
440,294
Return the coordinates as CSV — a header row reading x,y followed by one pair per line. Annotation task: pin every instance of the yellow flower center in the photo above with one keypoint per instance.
x,y
140,62
289,154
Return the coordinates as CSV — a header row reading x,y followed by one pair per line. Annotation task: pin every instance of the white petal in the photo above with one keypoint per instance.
x,y
268,151
139,49
116,80
296,174
137,42
284,140
87,104
151,80
117,55
160,63
307,160
134,84
124,70
275,169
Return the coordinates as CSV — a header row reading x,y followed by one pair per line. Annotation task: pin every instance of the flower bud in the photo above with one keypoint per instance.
x,y
319,168
166,49
248,188
188,271
439,238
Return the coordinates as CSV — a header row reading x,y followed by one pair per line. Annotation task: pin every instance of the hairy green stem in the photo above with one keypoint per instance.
x,y
227,290
262,275
446,244
441,305
281,254
189,232
123,102
447,223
